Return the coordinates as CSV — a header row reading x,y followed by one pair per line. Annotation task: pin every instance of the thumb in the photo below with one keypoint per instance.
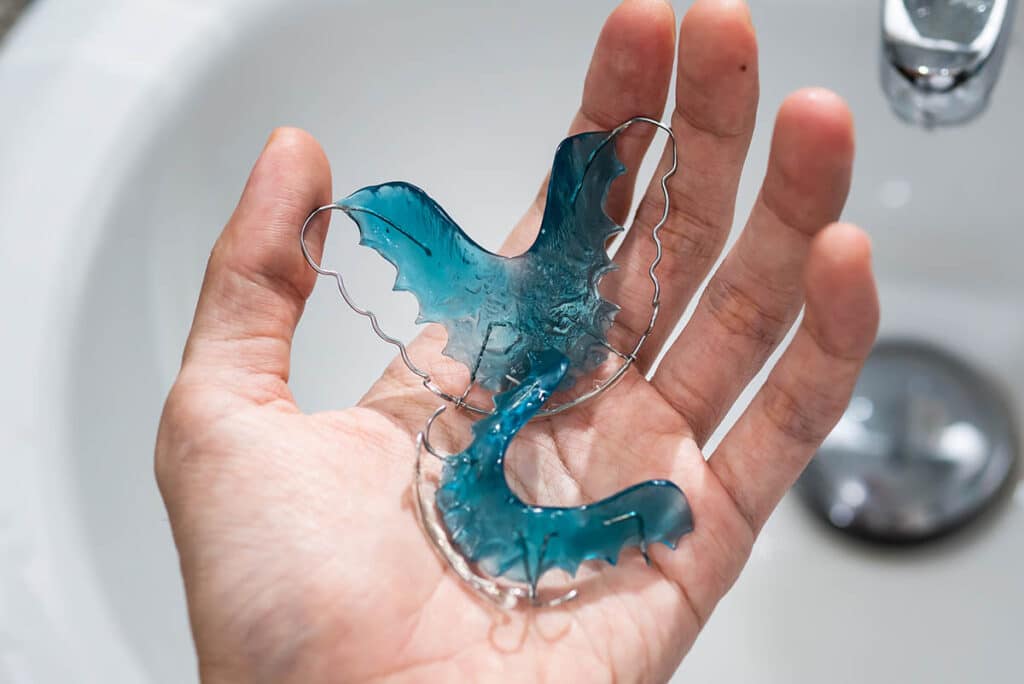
x,y
257,280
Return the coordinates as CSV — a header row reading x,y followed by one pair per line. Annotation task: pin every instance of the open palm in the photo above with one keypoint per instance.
x,y
299,545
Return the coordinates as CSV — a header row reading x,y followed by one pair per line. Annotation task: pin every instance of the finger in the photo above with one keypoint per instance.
x,y
257,280
754,297
715,109
629,75
809,389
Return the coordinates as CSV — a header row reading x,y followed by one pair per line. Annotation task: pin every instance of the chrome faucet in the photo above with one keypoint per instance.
x,y
941,58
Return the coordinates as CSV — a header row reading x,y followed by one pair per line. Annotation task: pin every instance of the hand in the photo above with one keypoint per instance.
x,y
300,550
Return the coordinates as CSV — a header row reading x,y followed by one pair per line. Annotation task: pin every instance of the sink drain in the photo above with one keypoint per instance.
x,y
925,445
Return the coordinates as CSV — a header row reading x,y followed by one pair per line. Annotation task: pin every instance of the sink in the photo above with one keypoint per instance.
x,y
131,127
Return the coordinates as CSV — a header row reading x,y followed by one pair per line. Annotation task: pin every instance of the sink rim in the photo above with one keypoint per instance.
x,y
39,68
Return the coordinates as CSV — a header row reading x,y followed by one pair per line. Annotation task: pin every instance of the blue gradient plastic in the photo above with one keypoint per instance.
x,y
498,310
492,526
538,318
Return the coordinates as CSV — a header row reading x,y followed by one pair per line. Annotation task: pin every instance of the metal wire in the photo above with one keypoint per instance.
x,y
425,434
460,401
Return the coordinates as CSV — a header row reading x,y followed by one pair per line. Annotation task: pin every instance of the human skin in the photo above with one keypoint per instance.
x,y
300,549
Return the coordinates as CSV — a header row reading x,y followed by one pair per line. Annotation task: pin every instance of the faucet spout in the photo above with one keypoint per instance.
x,y
941,58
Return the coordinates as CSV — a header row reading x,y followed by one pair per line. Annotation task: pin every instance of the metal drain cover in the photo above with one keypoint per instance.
x,y
925,444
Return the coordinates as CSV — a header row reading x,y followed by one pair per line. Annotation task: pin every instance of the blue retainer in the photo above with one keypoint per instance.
x,y
525,326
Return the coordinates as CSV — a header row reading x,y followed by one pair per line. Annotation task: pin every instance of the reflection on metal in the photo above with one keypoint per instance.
x,y
941,58
925,444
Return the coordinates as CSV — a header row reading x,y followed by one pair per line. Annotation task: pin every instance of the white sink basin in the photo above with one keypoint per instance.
x,y
129,128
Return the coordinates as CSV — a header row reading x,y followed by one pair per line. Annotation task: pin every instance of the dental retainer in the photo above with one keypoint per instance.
x,y
526,327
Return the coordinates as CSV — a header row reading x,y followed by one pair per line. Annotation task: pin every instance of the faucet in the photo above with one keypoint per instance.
x,y
941,58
